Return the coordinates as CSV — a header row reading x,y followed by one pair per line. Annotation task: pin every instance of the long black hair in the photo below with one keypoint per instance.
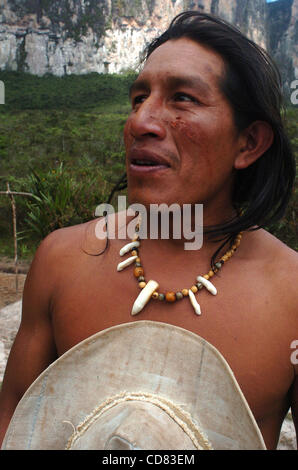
x,y
252,85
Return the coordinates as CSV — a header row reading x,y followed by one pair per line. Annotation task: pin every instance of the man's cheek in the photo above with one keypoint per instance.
x,y
185,130
127,134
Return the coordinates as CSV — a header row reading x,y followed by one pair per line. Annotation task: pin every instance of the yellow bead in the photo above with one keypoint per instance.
x,y
137,260
142,284
134,253
194,289
170,297
206,276
185,292
155,295
211,273
138,272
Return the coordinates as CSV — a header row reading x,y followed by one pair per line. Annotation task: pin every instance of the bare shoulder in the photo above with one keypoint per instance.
x,y
69,242
278,263
281,255
64,247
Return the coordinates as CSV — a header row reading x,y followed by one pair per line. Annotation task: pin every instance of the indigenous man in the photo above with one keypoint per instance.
x,y
205,127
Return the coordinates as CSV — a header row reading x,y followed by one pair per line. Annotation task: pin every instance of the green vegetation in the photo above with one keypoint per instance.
x,y
61,139
287,228
102,93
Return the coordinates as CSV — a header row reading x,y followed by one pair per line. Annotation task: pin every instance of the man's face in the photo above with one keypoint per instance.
x,y
180,138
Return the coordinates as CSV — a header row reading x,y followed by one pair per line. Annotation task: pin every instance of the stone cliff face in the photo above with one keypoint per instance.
x,y
81,36
282,21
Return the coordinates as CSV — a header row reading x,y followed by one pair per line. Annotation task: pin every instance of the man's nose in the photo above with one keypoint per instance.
x,y
148,120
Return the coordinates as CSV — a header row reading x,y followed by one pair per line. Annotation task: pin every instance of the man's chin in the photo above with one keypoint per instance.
x,y
150,201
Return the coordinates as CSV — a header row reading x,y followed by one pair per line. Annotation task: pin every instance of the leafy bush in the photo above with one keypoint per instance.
x,y
62,198
287,228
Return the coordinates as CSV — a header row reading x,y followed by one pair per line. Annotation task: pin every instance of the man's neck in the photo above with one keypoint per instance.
x,y
183,230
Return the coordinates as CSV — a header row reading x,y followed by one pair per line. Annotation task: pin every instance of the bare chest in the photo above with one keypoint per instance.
x,y
240,321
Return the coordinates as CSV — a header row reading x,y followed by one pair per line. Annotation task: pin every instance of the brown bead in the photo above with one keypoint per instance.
x,y
194,289
138,260
155,295
134,253
170,297
138,272
211,273
185,292
206,276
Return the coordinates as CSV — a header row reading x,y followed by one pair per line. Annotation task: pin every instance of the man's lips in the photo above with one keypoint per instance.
x,y
144,161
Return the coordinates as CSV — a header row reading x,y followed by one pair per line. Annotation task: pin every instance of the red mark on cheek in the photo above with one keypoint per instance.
x,y
182,126
186,130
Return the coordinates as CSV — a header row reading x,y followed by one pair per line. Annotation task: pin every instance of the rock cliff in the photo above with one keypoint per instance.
x,y
282,39
81,36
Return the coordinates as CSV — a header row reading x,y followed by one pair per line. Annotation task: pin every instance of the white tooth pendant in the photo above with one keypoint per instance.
x,y
126,263
209,286
144,297
194,302
130,246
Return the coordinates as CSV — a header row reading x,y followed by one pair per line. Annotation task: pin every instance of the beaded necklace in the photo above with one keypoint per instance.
x,y
149,289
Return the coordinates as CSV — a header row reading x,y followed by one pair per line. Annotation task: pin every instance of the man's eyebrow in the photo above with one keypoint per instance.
x,y
138,85
192,82
173,82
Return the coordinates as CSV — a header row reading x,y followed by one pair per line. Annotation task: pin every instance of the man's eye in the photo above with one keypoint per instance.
x,y
138,100
184,97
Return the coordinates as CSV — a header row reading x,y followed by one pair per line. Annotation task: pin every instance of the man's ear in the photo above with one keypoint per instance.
x,y
255,140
